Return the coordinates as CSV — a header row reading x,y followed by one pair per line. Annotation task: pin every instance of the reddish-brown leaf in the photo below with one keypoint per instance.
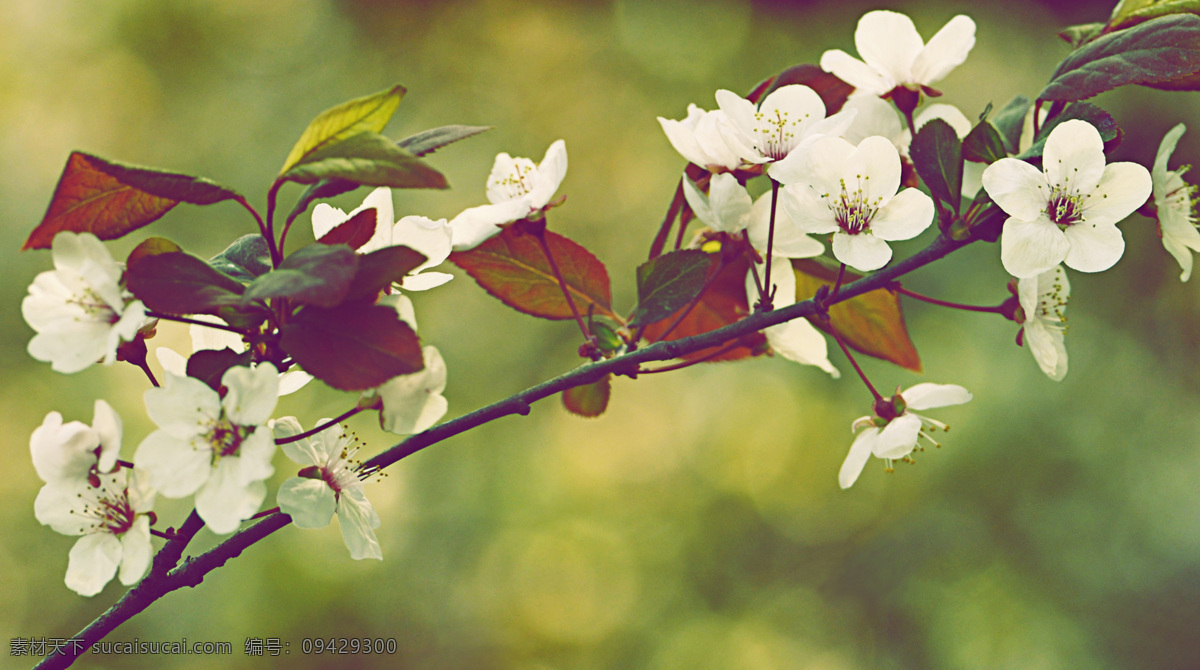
x,y
87,200
833,91
512,267
354,346
872,323
722,304
588,400
354,231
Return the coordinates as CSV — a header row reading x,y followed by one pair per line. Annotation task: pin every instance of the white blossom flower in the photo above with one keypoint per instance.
x,y
895,55
331,481
700,140
796,340
895,436
1044,301
728,208
73,452
769,133
217,448
516,189
78,309
430,238
114,522
1067,212
852,192
1173,201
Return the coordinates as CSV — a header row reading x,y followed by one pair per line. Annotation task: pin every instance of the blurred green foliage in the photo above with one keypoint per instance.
x,y
698,524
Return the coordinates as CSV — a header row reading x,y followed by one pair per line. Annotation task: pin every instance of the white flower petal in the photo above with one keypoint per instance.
x,y
310,502
905,216
182,406
948,113
254,456
889,42
300,451
224,501
858,74
136,552
790,239
433,239
413,402
730,204
860,453
171,361
1017,187
1029,248
682,135
62,452
799,341
293,380
899,437
1048,348
1074,156
946,50
252,395
1122,189
551,172
357,518
863,252
927,395
107,425
55,506
476,225
92,563
175,467
1093,247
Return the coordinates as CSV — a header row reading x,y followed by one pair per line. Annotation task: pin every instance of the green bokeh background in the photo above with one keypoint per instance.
x,y
698,524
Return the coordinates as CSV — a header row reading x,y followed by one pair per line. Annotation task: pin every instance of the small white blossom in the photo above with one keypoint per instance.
x,y
728,208
699,139
113,519
516,189
413,402
852,192
430,238
78,309
73,452
1068,211
770,132
1044,301
330,482
1173,201
218,448
895,436
896,56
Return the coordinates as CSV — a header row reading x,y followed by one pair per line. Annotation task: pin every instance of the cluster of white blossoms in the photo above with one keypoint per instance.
x,y
840,175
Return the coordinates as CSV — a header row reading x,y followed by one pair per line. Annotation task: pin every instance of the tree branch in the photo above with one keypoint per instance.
x,y
165,577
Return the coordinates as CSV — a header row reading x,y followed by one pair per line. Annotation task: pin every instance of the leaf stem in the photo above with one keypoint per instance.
x,y
997,309
837,284
862,375
562,284
146,368
262,226
276,251
664,230
766,295
328,424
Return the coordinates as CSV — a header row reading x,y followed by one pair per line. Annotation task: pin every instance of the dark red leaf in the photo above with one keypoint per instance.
x,y
354,346
354,231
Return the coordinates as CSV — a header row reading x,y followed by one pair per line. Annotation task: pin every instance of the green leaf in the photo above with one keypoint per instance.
x,y
421,144
1010,120
984,144
367,114
1100,119
1078,35
354,231
512,267
381,268
984,218
318,275
938,157
245,259
353,347
210,365
666,283
429,141
588,400
1157,51
179,283
1132,12
872,323
367,159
